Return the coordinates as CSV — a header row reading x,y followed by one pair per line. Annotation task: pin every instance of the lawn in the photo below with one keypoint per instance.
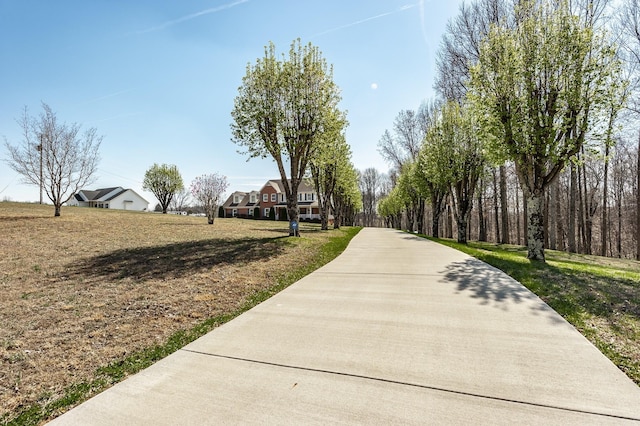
x,y
600,296
95,295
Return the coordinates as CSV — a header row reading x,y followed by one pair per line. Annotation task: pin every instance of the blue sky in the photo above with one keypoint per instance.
x,y
158,78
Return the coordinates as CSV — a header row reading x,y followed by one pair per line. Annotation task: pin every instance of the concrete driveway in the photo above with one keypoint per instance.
x,y
396,330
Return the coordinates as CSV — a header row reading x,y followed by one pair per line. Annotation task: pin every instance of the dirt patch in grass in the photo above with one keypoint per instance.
x,y
90,287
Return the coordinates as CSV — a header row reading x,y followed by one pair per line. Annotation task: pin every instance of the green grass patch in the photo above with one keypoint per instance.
x,y
599,296
115,372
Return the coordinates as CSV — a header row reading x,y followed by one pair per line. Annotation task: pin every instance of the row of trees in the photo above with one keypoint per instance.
x,y
287,109
530,87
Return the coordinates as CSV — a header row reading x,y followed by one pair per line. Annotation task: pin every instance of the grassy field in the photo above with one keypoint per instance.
x,y
600,296
95,295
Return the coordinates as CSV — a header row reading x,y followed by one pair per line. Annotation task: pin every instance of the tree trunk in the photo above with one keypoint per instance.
x,y
495,206
546,219
504,205
572,210
553,215
57,208
461,221
435,213
559,223
482,229
604,231
449,221
518,227
619,241
638,202
582,236
525,215
292,212
410,216
535,226
589,212
420,215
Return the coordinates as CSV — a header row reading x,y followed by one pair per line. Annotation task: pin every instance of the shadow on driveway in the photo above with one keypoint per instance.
x,y
491,286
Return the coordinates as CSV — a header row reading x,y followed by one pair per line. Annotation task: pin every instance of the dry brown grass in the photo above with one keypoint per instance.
x,y
87,288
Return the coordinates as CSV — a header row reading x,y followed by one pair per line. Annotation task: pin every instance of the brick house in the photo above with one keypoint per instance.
x,y
272,195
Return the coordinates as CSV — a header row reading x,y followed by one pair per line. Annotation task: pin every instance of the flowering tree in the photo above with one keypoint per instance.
x,y
207,190
164,181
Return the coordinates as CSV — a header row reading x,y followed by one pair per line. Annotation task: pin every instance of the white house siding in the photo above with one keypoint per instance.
x,y
128,200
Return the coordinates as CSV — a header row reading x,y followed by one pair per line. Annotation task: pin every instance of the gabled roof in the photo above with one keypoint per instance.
x,y
230,203
279,187
103,194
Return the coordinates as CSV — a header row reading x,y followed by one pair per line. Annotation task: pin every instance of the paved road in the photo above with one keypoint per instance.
x,y
396,330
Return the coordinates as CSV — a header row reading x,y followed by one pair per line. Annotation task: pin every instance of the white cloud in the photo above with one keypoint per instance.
x,y
374,86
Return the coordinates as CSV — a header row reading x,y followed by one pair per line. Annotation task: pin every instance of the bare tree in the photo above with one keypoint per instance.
x,y
180,200
460,46
54,156
371,181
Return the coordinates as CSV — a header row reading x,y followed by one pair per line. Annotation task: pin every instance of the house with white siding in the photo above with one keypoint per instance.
x,y
110,198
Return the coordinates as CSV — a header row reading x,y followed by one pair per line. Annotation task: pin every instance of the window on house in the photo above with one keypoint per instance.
x,y
266,212
273,197
236,199
282,198
234,212
265,197
250,212
253,198
299,197
303,210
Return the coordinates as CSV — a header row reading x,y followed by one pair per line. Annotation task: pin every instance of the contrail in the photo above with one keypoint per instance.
x,y
382,15
192,16
423,23
110,95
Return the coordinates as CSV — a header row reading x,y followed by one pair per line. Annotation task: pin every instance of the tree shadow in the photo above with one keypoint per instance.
x,y
10,219
175,260
492,286
598,294
285,231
